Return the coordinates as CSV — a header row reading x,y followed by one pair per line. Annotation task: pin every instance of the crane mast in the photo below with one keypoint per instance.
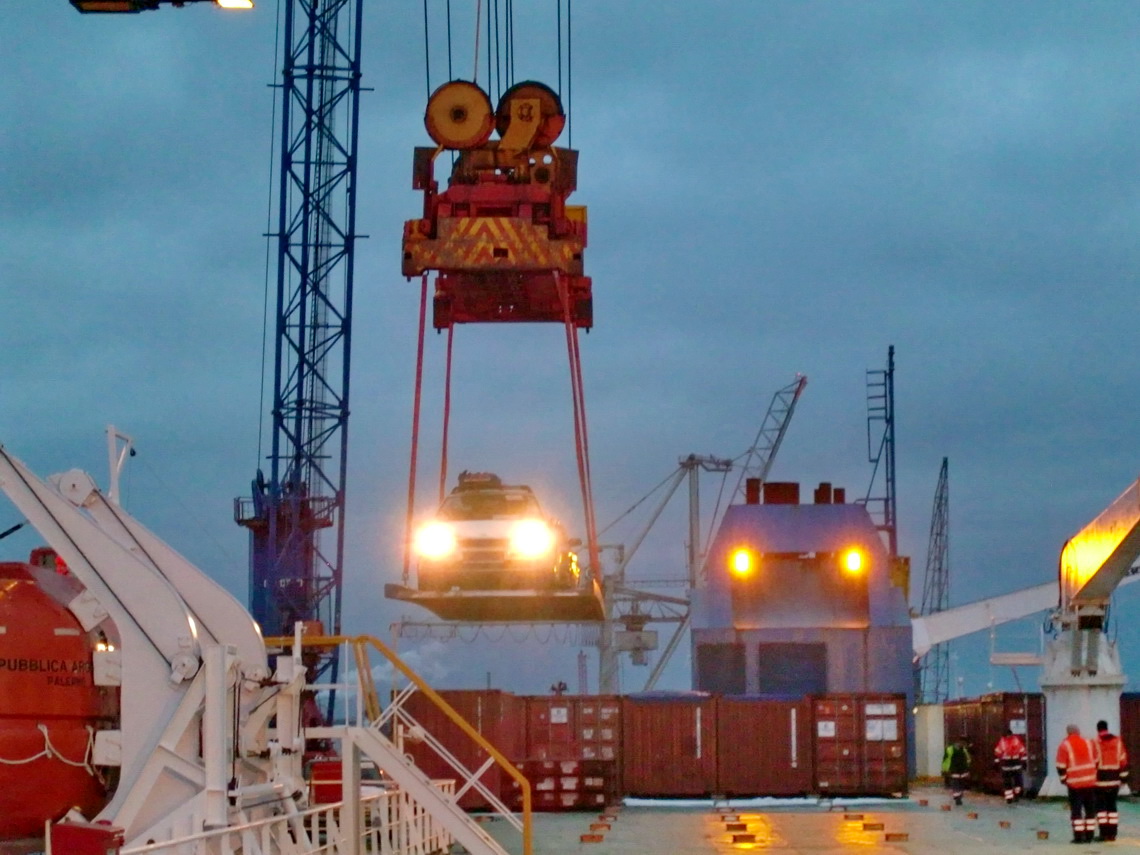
x,y
762,453
292,578
935,666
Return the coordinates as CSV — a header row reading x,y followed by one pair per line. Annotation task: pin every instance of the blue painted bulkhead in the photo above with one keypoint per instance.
x,y
798,623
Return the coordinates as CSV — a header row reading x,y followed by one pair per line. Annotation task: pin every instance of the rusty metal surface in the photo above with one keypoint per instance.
x,y
859,744
763,747
669,745
982,721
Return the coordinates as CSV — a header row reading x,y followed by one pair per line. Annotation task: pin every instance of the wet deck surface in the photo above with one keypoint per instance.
x,y
975,828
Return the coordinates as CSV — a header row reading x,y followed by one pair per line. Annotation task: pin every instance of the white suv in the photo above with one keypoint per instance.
x,y
491,536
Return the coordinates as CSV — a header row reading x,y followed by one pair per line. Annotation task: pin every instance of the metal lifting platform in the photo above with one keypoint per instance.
x,y
581,605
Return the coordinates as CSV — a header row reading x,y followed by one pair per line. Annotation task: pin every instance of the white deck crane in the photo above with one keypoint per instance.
x,y
1081,678
209,745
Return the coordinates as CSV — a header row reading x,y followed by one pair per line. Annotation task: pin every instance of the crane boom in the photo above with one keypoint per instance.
x,y
763,451
1098,557
958,621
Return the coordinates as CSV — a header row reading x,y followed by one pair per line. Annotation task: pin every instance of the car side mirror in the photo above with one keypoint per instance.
x,y
575,541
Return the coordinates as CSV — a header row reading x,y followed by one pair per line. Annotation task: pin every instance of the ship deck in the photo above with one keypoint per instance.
x,y
824,828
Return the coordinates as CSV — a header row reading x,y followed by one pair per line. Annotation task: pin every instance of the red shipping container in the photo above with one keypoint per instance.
x,y
573,727
859,744
496,715
763,747
1130,726
552,728
669,745
981,723
599,727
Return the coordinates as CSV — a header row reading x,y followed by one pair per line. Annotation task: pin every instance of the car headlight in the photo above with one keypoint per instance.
x,y
531,539
435,540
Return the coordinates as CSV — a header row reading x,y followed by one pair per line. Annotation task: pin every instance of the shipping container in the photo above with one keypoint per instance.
x,y
572,744
859,744
573,727
497,715
669,745
763,747
982,721
1130,726
566,784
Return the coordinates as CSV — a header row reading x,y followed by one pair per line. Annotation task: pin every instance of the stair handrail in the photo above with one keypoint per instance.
x,y
360,644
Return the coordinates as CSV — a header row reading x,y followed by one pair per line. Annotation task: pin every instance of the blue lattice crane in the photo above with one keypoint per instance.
x,y
292,577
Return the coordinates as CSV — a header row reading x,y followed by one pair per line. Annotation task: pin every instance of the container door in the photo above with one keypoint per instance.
x,y
669,746
763,747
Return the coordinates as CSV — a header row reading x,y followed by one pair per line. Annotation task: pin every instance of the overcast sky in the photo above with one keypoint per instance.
x,y
773,188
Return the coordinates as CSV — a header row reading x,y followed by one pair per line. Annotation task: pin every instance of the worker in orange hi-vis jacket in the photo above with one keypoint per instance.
x,y
1010,757
1077,762
1112,773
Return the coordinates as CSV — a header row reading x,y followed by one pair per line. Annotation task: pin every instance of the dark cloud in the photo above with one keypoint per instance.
x,y
773,188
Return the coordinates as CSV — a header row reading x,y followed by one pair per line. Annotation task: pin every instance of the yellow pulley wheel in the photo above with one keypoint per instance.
x,y
459,115
551,118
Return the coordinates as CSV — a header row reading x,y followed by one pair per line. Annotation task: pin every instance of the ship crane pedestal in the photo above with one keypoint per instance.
x,y
1082,681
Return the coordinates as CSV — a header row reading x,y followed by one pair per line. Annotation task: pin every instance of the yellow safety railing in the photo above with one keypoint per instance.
x,y
360,645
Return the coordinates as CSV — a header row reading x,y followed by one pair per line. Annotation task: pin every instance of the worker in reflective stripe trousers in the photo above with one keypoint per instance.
x,y
1112,773
1010,756
956,768
1077,761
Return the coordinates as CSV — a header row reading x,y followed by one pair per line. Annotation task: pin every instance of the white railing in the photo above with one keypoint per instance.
x,y
392,824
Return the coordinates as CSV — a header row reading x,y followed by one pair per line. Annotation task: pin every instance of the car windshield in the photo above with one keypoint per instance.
x,y
488,504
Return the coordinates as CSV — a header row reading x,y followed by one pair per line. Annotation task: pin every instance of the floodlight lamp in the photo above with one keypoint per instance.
x,y
853,561
742,561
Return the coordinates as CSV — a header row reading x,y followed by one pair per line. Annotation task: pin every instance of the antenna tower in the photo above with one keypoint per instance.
x,y
881,409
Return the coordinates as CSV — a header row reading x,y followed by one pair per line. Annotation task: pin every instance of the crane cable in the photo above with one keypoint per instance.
x,y
415,432
569,70
581,434
446,413
502,64
262,409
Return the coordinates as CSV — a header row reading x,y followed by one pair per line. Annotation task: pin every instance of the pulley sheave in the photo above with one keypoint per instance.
x,y
551,119
459,115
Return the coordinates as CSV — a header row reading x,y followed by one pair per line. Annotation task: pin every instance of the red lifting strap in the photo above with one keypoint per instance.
x,y
581,436
415,432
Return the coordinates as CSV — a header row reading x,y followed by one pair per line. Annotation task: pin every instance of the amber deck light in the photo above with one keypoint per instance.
x,y
853,561
742,561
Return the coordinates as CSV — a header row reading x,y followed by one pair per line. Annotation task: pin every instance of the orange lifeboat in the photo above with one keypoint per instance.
x,y
50,706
